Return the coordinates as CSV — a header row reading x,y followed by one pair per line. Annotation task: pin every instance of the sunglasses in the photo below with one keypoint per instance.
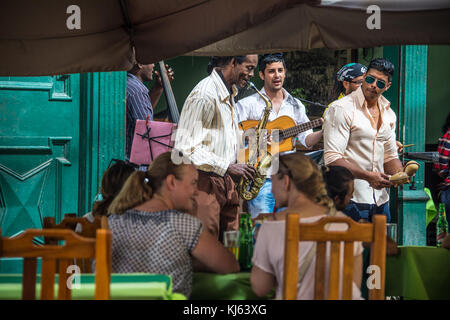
x,y
380,83
113,161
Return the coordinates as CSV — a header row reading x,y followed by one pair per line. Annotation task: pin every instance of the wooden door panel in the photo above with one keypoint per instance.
x,y
39,137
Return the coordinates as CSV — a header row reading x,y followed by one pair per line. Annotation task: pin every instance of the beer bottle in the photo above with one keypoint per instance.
x,y
246,242
441,225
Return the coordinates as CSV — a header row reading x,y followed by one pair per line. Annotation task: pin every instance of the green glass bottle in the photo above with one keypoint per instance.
x,y
441,225
246,242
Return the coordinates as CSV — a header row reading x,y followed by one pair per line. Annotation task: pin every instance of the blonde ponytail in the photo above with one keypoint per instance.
x,y
306,177
134,192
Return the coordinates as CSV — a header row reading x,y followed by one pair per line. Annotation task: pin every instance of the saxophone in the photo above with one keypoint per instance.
x,y
249,189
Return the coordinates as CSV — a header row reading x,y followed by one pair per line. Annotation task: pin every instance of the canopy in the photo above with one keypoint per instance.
x,y
72,36
343,24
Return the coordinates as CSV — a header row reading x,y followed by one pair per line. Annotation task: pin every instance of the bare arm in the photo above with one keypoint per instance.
x,y
262,282
393,166
157,89
213,256
314,138
155,94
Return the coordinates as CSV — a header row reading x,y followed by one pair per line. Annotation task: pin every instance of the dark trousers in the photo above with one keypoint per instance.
x,y
219,214
358,211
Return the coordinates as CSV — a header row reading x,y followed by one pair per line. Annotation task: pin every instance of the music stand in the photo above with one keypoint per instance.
x,y
150,140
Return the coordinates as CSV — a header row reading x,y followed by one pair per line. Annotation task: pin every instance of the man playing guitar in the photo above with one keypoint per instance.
x,y
272,70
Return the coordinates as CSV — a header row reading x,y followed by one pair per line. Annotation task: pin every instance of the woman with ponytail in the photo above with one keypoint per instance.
x,y
299,186
152,231
112,181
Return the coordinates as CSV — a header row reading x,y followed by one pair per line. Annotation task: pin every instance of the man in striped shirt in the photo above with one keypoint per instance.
x,y
140,101
208,134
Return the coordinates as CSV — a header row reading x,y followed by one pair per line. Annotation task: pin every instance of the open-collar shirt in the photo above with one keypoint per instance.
x,y
252,108
351,133
208,132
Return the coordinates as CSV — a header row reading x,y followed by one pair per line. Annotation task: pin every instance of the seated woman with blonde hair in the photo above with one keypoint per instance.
x,y
299,186
152,232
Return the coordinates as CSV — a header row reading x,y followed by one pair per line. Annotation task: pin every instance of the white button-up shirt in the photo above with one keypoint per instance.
x,y
252,108
208,131
350,133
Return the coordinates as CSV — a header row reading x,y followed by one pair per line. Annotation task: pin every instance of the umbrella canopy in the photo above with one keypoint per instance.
x,y
343,24
48,37
72,36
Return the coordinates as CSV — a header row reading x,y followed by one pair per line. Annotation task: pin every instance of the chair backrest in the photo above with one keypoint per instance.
x,y
373,233
61,255
88,228
81,226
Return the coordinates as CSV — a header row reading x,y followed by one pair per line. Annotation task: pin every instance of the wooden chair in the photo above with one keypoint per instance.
x,y
373,233
88,229
62,255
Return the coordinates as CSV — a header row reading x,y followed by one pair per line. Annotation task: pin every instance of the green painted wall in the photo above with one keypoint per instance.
x,y
188,71
438,91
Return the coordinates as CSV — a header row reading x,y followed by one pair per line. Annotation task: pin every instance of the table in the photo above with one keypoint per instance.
x,y
135,286
419,273
232,286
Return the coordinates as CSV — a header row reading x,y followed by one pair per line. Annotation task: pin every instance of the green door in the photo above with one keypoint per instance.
x,y
57,136
39,128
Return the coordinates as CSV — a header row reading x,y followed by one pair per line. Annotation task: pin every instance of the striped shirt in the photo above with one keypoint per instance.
x,y
138,107
349,132
208,132
442,167
252,108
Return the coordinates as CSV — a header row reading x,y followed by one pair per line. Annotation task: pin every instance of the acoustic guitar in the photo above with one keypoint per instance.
x,y
286,128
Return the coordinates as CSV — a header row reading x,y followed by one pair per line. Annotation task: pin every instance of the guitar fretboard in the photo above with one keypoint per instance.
x,y
293,131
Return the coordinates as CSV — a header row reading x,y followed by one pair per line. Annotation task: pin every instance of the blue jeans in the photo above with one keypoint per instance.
x,y
445,198
264,201
358,211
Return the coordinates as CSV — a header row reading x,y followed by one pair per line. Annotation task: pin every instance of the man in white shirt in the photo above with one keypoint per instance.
x,y
208,135
359,134
272,70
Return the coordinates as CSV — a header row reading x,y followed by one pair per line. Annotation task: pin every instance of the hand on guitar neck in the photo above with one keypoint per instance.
x,y
158,88
170,75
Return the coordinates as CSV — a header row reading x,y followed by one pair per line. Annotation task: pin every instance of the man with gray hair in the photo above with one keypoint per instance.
x,y
208,135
